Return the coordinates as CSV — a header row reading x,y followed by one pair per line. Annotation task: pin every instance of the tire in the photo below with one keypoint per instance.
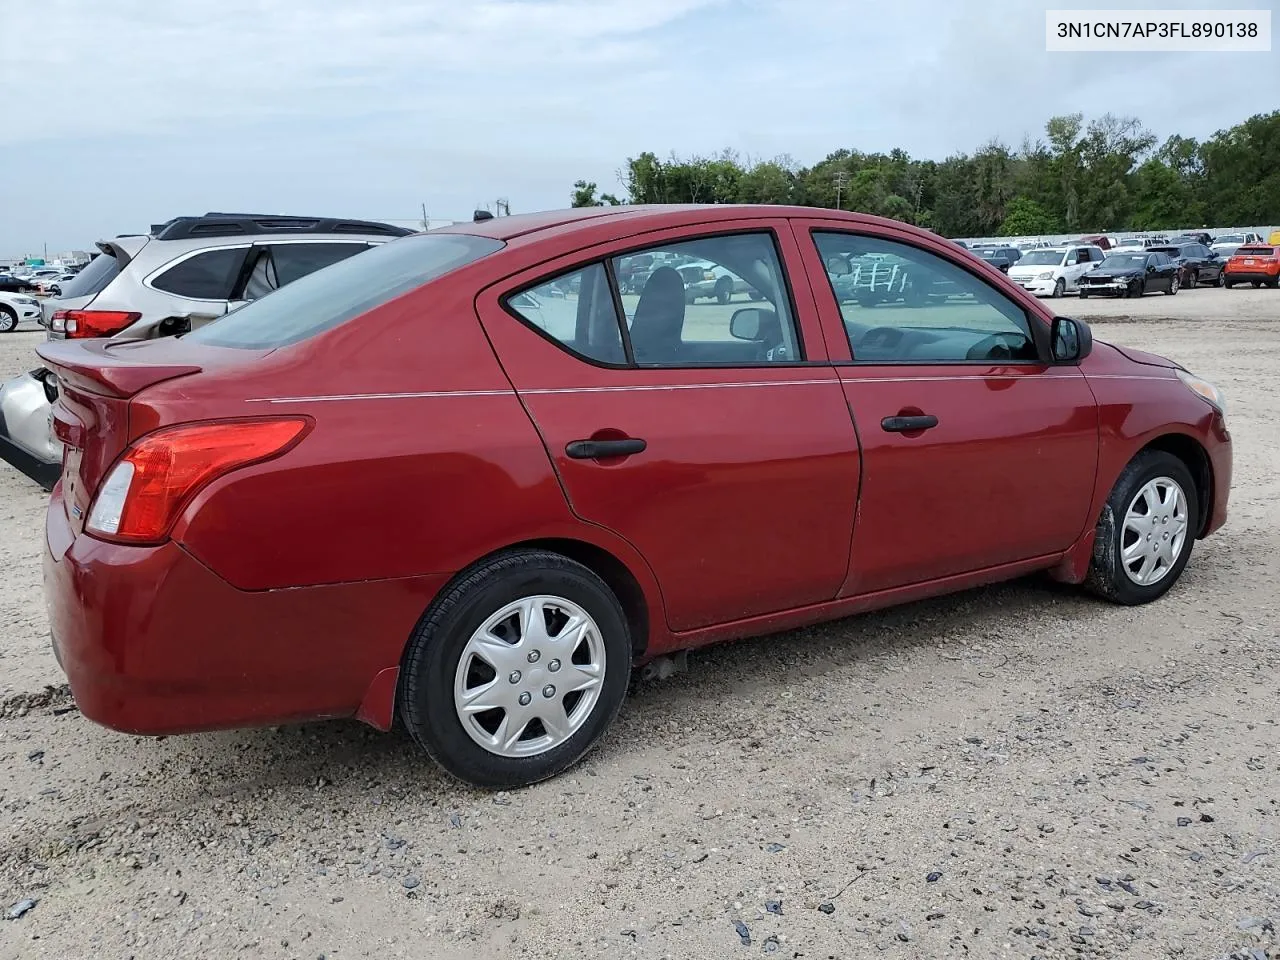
x,y
1084,294
754,295
8,319
1256,283
1173,286
1193,280
724,290
1228,283
690,297
1222,279
1109,576
1274,283
441,665
1059,288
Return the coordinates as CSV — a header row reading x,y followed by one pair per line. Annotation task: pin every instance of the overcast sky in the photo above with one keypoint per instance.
x,y
123,113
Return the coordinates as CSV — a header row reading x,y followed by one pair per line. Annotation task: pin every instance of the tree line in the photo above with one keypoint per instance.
x,y
1105,175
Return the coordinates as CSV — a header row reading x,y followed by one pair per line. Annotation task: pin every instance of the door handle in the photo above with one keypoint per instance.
x,y
603,449
908,424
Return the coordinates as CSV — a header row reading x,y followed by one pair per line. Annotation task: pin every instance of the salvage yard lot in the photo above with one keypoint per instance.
x,y
1021,770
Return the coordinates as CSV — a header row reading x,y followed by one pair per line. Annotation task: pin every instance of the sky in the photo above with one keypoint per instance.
x,y
125,113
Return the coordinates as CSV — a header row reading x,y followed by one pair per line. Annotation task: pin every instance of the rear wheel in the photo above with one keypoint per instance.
x,y
1144,536
1256,283
724,290
1221,280
1173,286
1274,283
1193,278
1228,283
517,670
8,319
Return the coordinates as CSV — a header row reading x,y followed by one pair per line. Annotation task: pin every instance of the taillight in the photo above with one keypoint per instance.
x,y
161,472
83,324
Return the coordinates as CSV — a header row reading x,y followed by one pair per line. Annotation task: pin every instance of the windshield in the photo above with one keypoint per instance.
x,y
341,292
1038,258
1124,261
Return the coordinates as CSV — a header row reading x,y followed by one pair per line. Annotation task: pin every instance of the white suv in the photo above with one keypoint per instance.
x,y
179,276
1055,271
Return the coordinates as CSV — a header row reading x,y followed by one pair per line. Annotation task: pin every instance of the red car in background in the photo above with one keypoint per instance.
x,y
465,480
1256,264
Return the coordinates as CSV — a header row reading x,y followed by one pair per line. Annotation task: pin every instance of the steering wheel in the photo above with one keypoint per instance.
x,y
882,338
998,346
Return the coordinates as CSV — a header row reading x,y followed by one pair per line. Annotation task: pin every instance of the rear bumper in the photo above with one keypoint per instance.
x,y
25,439
1239,276
153,642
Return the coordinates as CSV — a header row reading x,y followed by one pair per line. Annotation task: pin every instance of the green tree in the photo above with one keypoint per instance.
x,y
1026,218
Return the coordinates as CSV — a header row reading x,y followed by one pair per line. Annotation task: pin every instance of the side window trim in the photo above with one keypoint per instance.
x,y
642,244
1039,334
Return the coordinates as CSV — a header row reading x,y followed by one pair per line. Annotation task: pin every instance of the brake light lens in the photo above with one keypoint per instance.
x,y
160,473
86,324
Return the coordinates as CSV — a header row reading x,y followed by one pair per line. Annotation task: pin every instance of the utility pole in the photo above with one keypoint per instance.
x,y
841,177
426,223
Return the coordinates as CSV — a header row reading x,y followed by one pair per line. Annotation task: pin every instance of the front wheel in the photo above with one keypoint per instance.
x,y
517,670
724,290
1059,288
8,319
1084,294
1144,536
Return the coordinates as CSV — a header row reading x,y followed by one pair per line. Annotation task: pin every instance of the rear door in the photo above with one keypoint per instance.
x,y
721,448
976,452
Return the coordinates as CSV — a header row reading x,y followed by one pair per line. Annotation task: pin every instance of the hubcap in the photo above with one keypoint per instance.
x,y
1154,531
504,691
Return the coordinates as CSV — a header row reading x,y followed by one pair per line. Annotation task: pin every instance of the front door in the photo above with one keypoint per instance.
x,y
976,452
723,451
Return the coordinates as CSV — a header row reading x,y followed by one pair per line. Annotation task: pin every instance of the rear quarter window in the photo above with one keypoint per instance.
x,y
93,279
338,293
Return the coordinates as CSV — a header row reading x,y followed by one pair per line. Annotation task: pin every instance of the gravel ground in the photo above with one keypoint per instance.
x,y
1016,771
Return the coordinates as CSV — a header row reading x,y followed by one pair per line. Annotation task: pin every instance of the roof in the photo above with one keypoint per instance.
x,y
659,215
253,224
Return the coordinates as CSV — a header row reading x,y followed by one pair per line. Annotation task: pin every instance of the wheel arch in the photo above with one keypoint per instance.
x,y
1193,454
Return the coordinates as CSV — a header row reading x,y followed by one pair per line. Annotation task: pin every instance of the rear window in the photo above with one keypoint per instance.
x,y
338,293
1255,251
94,278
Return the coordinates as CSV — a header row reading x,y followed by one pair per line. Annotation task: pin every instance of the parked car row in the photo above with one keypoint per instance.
x,y
174,279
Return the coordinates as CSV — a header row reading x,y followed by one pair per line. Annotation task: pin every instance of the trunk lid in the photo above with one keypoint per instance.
x,y
98,383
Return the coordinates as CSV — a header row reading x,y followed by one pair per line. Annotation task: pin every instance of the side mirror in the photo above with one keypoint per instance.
x,y
747,323
1072,340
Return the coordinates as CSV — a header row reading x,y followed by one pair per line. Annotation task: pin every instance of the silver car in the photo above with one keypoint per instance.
x,y
179,276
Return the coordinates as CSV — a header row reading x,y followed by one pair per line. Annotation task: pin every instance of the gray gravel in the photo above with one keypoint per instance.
x,y
1017,771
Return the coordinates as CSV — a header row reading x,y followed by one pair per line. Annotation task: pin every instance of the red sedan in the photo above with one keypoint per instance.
x,y
465,480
